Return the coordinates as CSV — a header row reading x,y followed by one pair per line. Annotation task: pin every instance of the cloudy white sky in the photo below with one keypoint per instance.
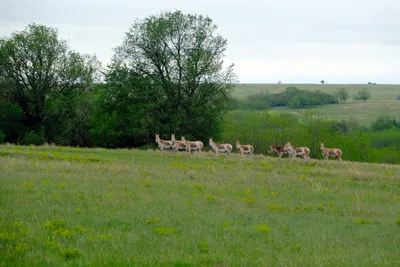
x,y
340,41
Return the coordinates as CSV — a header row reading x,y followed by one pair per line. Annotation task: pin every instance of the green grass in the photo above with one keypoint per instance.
x,y
378,91
364,113
65,206
383,100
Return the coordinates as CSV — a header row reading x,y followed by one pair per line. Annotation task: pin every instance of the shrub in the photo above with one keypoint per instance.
x,y
364,94
33,138
385,155
383,123
386,138
2,136
291,97
342,94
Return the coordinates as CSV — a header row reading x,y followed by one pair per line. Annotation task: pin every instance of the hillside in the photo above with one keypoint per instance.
x,y
383,100
117,207
378,91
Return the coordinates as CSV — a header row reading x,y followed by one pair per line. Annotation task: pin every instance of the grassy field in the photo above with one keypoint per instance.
x,y
65,206
364,113
378,91
383,100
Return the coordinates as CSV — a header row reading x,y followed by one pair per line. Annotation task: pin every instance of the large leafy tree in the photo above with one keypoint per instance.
x,y
36,68
364,94
126,110
181,58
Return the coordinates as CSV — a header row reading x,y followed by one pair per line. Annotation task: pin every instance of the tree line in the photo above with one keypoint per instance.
x,y
166,76
294,98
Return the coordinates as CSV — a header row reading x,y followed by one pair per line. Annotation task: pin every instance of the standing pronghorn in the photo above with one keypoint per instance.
x,y
178,145
245,149
278,149
331,152
164,144
227,148
297,151
193,146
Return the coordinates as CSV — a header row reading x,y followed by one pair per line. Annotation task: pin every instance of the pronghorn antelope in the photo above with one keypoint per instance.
x,y
164,144
178,145
331,152
244,149
278,149
297,151
193,146
227,148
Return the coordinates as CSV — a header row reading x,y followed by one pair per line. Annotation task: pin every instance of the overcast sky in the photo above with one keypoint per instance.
x,y
295,41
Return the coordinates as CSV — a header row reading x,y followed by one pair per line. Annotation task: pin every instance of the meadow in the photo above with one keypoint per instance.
x,y
378,91
363,113
382,102
74,206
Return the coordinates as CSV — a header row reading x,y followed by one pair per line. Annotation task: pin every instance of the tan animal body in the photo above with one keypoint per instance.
x,y
278,149
220,148
193,146
178,145
295,151
331,152
164,144
245,149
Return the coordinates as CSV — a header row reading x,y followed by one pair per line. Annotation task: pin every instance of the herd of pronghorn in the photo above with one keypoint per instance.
x,y
287,149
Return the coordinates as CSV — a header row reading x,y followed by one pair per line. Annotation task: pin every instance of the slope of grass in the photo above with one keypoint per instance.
x,y
383,100
378,91
64,206
364,113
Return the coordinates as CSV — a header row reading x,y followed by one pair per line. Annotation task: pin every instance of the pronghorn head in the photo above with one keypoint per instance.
x,y
157,138
288,146
237,144
173,138
183,139
270,149
322,146
210,141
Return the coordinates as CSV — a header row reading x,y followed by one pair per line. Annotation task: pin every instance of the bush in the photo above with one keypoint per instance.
x,y
33,138
385,155
2,136
291,97
386,138
383,123
398,97
256,104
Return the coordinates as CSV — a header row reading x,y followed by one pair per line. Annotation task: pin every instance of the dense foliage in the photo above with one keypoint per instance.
x,y
169,70
262,129
166,77
291,97
38,75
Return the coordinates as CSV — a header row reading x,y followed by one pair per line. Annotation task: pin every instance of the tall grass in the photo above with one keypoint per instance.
x,y
263,128
378,91
64,206
383,100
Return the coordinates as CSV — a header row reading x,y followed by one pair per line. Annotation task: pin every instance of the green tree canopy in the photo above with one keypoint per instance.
x,y
364,94
36,66
343,94
181,58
